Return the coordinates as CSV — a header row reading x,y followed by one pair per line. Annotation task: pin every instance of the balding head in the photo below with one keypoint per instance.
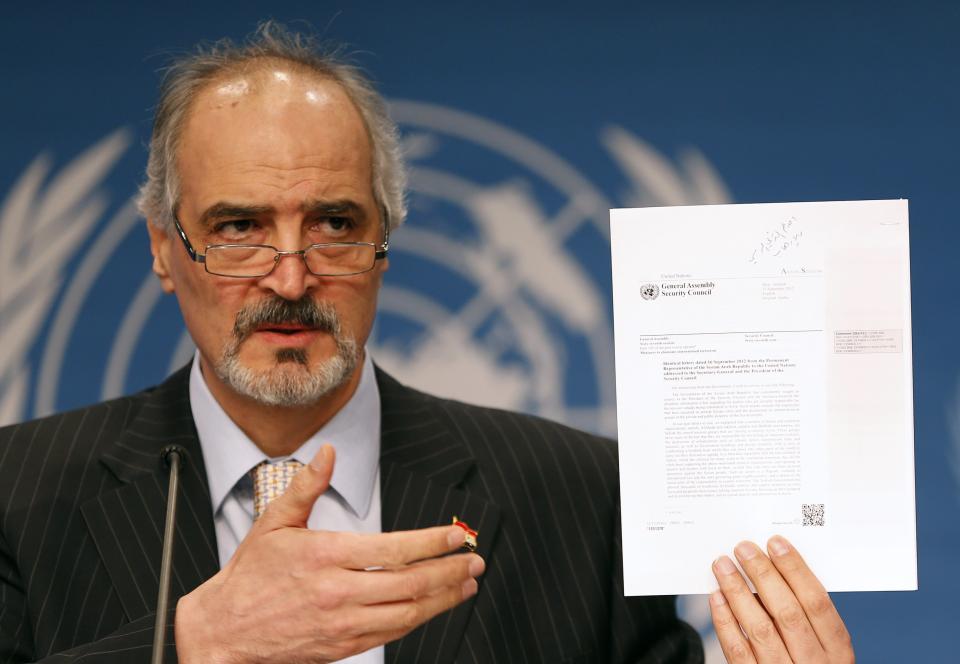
x,y
271,49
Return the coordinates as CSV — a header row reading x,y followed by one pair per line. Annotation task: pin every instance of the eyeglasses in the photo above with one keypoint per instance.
x,y
249,261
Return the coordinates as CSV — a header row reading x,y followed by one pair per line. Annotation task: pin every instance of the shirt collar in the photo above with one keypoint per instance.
x,y
354,432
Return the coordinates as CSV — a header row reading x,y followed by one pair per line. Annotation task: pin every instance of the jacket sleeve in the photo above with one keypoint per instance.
x,y
16,638
130,644
646,629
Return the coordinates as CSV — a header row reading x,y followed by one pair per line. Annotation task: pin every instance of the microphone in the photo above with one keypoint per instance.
x,y
173,456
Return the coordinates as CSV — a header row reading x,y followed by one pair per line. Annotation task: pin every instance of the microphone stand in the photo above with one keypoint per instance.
x,y
173,456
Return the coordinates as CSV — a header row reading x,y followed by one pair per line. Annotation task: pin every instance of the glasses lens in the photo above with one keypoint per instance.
x,y
340,259
240,261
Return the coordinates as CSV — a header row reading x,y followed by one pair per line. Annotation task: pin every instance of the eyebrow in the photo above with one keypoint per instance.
x,y
226,210
343,206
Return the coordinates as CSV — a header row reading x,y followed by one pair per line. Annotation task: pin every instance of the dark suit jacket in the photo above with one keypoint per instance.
x,y
83,494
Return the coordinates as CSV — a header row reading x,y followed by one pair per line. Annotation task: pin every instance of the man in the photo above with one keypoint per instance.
x,y
273,184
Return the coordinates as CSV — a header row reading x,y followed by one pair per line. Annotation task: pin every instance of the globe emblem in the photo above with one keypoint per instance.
x,y
496,292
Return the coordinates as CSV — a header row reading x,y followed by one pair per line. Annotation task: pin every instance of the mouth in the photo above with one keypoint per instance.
x,y
287,334
284,328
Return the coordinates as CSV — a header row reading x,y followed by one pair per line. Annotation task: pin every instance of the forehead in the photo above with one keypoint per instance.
x,y
273,129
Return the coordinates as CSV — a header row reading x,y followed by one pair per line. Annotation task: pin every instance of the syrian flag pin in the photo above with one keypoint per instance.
x,y
470,540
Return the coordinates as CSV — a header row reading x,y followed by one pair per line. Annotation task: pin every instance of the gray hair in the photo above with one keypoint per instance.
x,y
188,75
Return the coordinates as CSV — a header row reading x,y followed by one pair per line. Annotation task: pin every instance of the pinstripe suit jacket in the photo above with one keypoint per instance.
x,y
82,499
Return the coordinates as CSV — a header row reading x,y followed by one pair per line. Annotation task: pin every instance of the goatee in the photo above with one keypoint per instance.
x,y
291,381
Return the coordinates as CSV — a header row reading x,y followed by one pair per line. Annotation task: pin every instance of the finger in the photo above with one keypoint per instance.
x,y
361,628
780,603
399,618
813,597
415,581
732,642
293,507
391,550
758,627
373,626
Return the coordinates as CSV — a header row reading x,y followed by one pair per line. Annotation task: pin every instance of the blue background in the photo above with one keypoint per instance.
x,y
817,101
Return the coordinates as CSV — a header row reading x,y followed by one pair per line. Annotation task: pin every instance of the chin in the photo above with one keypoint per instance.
x,y
289,378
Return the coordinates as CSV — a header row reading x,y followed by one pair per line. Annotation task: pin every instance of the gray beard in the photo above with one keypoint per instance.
x,y
291,382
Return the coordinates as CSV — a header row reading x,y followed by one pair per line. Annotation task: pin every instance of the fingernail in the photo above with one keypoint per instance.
x,y
724,565
321,458
456,537
746,550
778,546
717,598
477,565
469,588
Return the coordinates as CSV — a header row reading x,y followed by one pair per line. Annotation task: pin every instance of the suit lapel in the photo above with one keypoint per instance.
x,y
423,465
127,523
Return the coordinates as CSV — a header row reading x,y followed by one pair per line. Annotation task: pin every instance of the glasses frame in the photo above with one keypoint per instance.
x,y
380,253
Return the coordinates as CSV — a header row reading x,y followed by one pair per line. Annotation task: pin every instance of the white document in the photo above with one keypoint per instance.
x,y
764,386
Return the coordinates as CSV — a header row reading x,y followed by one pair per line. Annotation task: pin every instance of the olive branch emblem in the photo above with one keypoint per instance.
x,y
41,228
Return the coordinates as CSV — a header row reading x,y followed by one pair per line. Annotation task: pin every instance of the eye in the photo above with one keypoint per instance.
x,y
339,223
335,227
236,228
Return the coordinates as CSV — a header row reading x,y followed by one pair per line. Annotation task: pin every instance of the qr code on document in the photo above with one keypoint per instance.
x,y
813,514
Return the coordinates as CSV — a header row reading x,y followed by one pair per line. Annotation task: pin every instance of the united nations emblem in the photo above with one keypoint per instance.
x,y
495,275
495,293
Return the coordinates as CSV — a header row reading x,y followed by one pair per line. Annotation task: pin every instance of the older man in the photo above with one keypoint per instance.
x,y
273,184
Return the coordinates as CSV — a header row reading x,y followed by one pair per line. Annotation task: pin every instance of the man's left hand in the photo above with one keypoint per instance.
x,y
791,619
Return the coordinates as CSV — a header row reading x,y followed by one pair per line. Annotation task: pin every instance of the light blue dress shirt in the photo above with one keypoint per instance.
x,y
351,504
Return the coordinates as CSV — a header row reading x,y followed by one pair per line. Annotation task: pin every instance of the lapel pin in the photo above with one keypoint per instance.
x,y
470,538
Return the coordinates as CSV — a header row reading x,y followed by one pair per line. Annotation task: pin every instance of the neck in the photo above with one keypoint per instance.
x,y
279,430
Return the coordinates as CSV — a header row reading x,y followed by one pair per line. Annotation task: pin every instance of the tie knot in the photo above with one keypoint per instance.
x,y
270,480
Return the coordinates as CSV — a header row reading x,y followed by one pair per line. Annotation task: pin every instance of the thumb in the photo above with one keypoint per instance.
x,y
292,509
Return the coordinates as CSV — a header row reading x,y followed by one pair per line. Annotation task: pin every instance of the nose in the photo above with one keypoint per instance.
x,y
290,278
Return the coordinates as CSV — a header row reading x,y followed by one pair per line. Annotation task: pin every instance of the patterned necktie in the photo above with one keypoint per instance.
x,y
269,481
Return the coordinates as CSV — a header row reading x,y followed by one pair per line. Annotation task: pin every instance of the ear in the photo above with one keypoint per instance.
x,y
161,243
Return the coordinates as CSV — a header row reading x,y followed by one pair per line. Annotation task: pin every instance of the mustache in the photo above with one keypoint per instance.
x,y
278,311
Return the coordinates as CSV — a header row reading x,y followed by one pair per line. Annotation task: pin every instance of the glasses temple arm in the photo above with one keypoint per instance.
x,y
194,256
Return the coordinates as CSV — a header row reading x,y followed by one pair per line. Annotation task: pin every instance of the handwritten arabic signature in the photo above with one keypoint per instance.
x,y
778,241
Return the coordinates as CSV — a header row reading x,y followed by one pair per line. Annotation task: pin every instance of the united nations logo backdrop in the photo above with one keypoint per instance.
x,y
522,128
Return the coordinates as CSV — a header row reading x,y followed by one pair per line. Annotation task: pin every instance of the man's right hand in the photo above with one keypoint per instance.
x,y
293,594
